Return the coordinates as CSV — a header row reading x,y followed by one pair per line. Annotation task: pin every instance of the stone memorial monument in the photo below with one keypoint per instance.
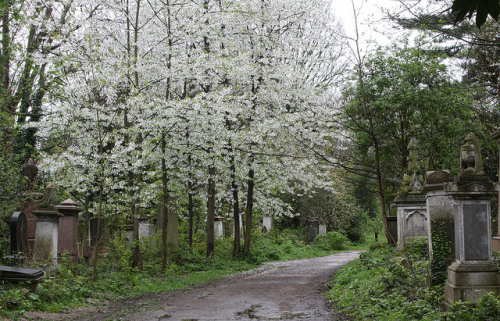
x,y
496,239
47,222
68,228
410,207
18,234
267,224
322,229
473,272
146,228
439,207
219,227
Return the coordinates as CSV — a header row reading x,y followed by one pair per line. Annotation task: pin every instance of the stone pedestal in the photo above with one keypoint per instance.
x,y
46,236
68,228
412,220
266,224
473,273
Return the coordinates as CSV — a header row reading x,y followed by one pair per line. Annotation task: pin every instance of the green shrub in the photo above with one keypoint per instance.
x,y
331,241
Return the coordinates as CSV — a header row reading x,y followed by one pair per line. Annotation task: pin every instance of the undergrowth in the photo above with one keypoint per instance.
x,y
68,284
388,284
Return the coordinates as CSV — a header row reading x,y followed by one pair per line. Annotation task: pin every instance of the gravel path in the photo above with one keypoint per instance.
x,y
290,290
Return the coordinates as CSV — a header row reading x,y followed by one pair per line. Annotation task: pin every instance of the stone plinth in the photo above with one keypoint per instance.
x,y
68,228
473,273
411,212
46,236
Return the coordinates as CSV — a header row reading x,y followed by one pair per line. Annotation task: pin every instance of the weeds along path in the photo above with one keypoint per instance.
x,y
290,290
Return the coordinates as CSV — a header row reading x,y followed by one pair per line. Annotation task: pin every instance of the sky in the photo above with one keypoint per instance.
x,y
370,21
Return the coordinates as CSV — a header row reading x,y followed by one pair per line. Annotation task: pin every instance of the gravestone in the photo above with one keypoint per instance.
x,y
47,223
68,228
267,224
412,219
18,234
473,272
312,231
496,239
218,227
410,207
146,228
322,229
439,207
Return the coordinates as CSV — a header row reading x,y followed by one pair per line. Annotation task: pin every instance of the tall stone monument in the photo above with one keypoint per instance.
x,y
473,272
411,210
496,239
47,222
68,228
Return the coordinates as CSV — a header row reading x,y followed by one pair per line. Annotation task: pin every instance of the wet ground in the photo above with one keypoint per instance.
x,y
290,290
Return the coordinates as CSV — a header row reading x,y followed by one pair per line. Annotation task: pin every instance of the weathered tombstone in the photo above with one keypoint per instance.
x,y
47,222
411,210
18,234
218,227
15,275
322,229
267,224
68,228
496,239
473,272
312,231
439,206
146,229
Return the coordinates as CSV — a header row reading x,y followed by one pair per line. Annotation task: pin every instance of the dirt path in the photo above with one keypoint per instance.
x,y
290,290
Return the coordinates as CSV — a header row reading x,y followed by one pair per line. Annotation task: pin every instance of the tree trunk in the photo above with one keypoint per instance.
x,y
172,231
5,60
236,209
210,211
248,211
191,214
137,258
165,203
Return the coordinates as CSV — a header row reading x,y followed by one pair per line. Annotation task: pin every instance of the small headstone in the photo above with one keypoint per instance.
x,y
18,234
218,227
321,229
313,231
267,223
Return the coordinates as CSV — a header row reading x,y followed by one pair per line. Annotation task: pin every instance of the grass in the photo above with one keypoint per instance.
x,y
387,284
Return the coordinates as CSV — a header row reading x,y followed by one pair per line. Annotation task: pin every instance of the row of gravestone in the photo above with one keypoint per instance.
x,y
456,211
